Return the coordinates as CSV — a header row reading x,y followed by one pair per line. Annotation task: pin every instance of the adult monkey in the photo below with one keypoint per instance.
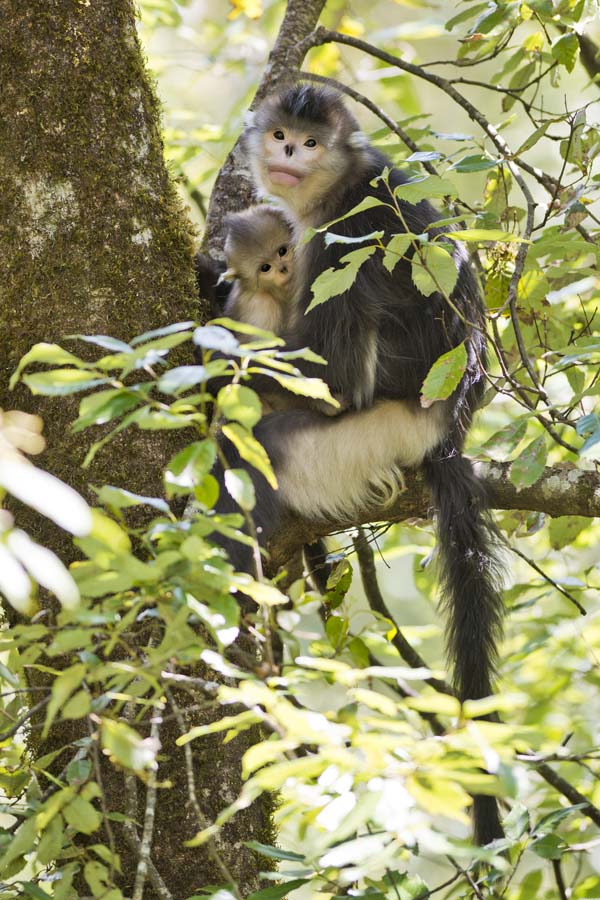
x,y
380,338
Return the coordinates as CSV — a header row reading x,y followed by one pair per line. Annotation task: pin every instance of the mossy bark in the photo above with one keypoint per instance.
x,y
93,240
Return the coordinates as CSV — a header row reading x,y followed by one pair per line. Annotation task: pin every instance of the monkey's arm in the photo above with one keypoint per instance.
x,y
208,272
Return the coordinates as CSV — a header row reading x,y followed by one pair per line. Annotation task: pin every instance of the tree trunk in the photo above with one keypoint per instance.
x,y
94,240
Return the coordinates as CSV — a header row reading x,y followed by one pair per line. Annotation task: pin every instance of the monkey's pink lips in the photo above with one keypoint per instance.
x,y
285,177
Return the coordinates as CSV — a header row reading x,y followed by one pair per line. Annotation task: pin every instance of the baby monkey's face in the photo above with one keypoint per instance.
x,y
275,270
259,251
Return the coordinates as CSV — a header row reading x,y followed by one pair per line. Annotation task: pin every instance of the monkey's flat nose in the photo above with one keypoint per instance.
x,y
289,149
283,270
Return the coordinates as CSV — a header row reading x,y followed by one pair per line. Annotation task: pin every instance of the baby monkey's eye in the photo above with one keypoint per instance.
x,y
279,135
310,143
265,267
282,251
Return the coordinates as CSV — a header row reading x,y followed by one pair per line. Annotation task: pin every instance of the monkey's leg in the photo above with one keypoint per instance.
x,y
337,467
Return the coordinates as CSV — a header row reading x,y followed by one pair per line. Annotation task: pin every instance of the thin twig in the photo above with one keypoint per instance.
x,y
201,819
551,581
323,36
567,790
148,830
558,877
5,735
368,572
105,811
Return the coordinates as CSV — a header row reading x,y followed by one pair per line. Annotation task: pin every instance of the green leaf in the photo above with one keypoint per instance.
x,y
104,406
125,746
305,387
119,498
565,50
424,189
190,466
336,629
529,465
161,332
240,722
239,485
395,249
434,270
213,337
476,235
32,890
207,492
465,15
60,382
78,771
274,852
181,378
332,282
103,340
476,162
444,376
240,404
278,891
564,529
22,842
82,816
367,203
551,846
250,450
62,688
78,706
51,354
509,437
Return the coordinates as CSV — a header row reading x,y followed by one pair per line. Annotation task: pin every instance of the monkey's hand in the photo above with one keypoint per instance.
x,y
327,409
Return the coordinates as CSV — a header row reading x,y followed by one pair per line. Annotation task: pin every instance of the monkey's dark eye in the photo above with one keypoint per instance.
x,y
265,267
279,135
282,251
310,143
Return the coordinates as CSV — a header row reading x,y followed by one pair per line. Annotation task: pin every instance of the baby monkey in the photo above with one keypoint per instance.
x,y
261,265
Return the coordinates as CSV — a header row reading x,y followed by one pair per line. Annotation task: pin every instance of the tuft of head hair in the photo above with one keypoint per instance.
x,y
254,235
306,106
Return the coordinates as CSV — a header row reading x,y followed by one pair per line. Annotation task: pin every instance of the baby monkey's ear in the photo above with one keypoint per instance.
x,y
228,275
249,118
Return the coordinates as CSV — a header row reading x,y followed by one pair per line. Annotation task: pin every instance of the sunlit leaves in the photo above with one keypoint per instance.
x,y
125,746
433,270
250,450
565,50
424,189
333,282
240,404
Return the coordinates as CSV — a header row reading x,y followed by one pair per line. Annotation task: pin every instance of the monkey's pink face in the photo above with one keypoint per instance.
x,y
276,270
288,158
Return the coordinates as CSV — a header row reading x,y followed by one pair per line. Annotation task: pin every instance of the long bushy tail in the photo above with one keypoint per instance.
x,y
470,580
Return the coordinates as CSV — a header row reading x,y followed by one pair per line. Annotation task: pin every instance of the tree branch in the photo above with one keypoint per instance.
x,y
561,491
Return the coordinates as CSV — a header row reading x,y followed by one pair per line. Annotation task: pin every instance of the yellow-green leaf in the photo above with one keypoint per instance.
x,y
444,375
250,450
